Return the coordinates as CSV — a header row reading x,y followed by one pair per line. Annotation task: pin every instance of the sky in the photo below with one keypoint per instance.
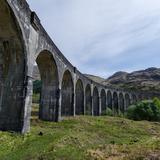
x,y
101,37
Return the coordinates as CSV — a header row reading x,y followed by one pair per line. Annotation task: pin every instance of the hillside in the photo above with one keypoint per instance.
x,y
95,78
84,138
144,80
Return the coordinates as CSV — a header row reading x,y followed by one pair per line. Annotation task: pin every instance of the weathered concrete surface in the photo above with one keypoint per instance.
x,y
65,90
12,71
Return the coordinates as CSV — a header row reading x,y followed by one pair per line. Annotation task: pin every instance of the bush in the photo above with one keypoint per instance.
x,y
121,114
145,110
109,112
36,98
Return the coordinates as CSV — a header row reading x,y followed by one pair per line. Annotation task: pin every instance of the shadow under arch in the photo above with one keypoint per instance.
x,y
50,85
12,71
79,98
109,99
127,101
95,102
134,99
67,93
115,103
88,100
121,103
103,101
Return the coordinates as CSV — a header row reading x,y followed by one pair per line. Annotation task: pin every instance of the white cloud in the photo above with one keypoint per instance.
x,y
107,31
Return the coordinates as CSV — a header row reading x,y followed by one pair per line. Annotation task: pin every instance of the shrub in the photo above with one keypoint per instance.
x,y
109,112
36,98
131,112
121,114
145,110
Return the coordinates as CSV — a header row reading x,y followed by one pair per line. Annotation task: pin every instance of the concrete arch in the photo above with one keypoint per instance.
x,y
88,100
115,103
12,71
109,99
50,85
127,100
103,101
95,102
134,99
67,93
79,98
121,103
140,98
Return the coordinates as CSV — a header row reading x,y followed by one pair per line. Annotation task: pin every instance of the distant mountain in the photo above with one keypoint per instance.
x,y
144,80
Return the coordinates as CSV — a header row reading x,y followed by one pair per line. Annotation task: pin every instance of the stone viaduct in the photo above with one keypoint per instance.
x,y
65,90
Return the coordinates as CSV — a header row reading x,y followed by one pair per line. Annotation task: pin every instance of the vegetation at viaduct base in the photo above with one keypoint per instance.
x,y
84,138
145,110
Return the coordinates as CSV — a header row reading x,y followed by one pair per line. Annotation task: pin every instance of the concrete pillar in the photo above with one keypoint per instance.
x,y
100,106
125,105
92,106
59,99
84,101
28,91
113,109
74,104
74,93
119,104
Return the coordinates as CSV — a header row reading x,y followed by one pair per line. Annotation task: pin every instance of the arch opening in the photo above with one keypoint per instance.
x,y
115,103
48,109
12,71
88,99
134,99
67,92
95,102
127,101
103,102
121,103
109,99
79,98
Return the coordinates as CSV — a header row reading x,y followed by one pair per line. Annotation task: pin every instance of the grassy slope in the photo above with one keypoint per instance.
x,y
83,138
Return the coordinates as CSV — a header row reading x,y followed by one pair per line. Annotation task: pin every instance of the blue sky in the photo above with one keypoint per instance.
x,y
101,37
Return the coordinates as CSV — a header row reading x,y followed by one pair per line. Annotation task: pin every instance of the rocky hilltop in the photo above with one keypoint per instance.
x,y
144,80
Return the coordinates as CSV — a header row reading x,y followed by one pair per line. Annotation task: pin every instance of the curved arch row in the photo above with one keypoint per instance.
x,y
65,91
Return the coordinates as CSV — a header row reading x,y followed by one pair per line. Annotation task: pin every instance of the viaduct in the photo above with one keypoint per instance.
x,y
65,90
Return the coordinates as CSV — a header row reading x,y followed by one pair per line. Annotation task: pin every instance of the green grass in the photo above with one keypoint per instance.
x,y
36,98
82,138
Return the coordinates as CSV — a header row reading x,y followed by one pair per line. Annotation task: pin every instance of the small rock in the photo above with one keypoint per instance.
x,y
40,134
